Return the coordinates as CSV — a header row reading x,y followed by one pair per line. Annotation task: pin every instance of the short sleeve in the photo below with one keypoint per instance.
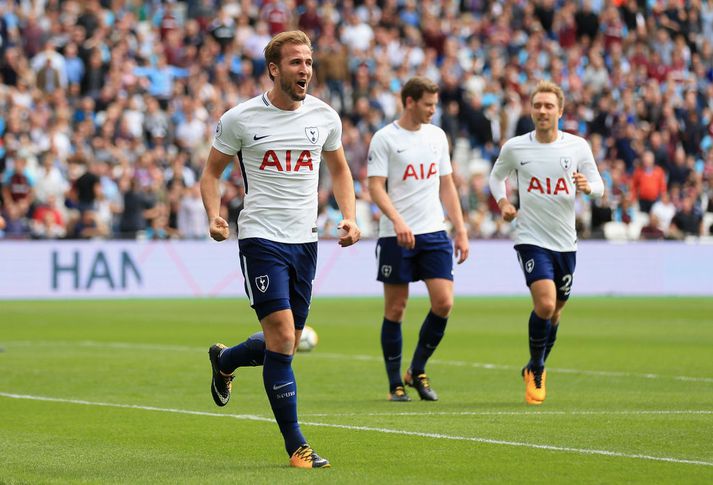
x,y
445,167
334,138
378,159
228,134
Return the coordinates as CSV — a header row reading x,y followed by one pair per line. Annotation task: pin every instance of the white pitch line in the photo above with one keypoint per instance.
x,y
359,357
475,439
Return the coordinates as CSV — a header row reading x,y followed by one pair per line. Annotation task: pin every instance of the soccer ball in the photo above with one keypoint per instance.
x,y
309,340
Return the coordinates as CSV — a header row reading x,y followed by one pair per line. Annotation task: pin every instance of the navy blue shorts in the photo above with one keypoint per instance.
x,y
432,257
544,264
278,276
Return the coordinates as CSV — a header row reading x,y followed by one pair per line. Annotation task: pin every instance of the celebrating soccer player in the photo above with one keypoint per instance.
x,y
551,167
280,137
410,174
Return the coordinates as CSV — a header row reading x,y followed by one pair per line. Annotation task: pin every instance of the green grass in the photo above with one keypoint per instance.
x,y
118,392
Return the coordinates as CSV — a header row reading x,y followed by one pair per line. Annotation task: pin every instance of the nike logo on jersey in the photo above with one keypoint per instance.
x,y
525,162
256,138
275,387
401,150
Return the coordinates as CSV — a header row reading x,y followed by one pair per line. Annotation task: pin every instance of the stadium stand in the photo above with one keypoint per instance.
x,y
108,108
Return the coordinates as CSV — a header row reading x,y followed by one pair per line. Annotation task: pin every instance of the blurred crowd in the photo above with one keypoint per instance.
x,y
107,108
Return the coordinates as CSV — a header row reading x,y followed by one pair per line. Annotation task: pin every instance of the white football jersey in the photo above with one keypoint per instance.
x,y
545,185
279,154
412,162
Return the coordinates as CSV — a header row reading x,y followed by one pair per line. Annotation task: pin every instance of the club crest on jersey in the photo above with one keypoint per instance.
x,y
312,133
386,270
219,129
530,265
566,162
262,282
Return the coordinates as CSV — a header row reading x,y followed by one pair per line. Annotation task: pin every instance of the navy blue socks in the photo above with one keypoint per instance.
x,y
429,337
551,338
539,330
391,344
247,354
281,390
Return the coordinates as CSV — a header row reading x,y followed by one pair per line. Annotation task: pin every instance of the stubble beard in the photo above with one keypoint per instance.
x,y
288,88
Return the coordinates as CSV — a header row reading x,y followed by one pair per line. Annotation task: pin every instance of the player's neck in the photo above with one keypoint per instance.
x,y
282,101
408,123
546,136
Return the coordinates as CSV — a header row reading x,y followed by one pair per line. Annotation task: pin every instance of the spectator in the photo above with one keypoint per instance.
x,y
652,230
18,193
192,221
688,221
47,221
87,186
663,210
648,182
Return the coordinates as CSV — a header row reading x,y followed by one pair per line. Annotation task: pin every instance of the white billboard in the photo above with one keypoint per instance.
x,y
110,269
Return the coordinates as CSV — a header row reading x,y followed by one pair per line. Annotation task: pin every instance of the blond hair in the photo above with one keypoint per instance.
x,y
273,50
549,87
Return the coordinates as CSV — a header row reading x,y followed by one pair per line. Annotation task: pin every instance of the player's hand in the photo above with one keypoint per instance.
x,y
404,235
461,246
219,229
580,181
508,211
349,233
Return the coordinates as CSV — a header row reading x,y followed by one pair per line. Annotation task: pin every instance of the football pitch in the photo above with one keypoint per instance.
x,y
118,392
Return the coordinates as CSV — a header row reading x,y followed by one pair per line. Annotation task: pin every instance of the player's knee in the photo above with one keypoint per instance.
x,y
395,311
545,309
283,340
442,306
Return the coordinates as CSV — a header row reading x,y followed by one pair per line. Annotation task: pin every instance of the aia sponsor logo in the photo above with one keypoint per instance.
x,y
272,161
548,186
420,171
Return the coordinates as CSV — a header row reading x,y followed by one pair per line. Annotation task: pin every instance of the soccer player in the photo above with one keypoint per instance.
x,y
279,137
551,167
410,175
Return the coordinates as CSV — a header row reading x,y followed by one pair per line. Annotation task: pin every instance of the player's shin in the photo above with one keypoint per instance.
x,y
429,337
538,331
551,338
281,389
391,345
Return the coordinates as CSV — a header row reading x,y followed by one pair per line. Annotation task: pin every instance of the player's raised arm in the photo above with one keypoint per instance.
x,y
210,192
343,188
449,198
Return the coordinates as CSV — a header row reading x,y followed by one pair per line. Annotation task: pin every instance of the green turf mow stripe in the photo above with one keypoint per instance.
x,y
656,412
368,358
565,449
